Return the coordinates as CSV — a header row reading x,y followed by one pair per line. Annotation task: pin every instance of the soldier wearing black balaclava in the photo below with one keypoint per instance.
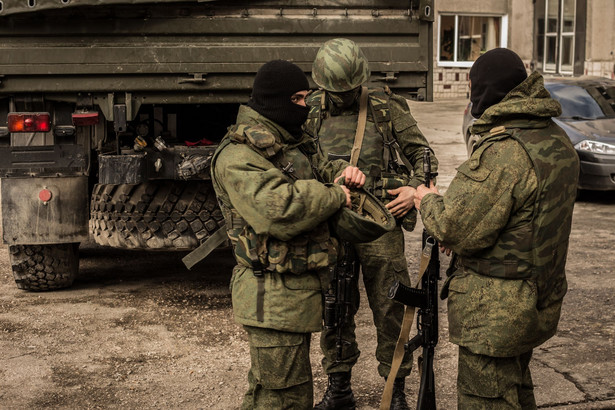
x,y
276,216
507,216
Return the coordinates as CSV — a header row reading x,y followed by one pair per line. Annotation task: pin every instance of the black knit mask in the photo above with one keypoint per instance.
x,y
493,75
274,84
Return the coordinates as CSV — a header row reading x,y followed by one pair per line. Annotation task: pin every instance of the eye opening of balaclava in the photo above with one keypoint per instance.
x,y
275,83
493,75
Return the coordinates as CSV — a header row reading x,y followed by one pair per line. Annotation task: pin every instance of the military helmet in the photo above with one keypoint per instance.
x,y
367,221
340,66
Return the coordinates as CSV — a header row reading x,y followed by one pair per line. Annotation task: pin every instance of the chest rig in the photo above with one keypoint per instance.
x,y
374,148
308,251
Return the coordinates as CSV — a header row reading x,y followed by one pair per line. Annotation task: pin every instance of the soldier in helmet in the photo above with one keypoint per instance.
x,y
507,216
374,130
265,175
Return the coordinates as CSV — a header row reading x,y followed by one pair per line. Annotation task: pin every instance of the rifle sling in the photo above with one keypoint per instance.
x,y
404,334
205,248
360,133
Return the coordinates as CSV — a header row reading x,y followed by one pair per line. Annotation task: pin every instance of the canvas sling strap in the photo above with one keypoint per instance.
x,y
205,248
360,133
404,334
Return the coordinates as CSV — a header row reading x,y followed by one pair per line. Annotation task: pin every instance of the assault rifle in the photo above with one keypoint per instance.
x,y
425,299
338,299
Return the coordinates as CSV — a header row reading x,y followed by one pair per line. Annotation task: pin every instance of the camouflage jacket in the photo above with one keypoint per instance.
x,y
507,214
277,222
334,130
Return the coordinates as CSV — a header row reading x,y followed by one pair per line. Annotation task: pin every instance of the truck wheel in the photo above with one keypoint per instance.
x,y
44,267
169,215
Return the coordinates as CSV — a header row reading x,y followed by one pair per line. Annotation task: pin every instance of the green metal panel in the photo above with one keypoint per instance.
x,y
206,51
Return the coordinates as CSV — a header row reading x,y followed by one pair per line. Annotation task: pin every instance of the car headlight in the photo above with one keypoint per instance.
x,y
596,147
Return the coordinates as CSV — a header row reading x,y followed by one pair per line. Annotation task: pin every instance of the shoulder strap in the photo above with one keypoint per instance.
x,y
360,133
392,153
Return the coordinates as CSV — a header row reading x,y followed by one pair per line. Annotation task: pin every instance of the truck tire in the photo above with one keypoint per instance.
x,y
44,267
165,215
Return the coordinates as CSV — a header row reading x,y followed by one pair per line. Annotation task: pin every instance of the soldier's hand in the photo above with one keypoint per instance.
x,y
421,191
404,201
446,250
353,176
348,197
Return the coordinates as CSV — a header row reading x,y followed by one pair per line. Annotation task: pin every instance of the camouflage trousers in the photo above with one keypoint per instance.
x,y
280,375
382,263
494,383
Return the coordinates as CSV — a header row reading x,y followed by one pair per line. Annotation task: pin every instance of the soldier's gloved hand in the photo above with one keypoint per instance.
x,y
353,176
403,202
421,191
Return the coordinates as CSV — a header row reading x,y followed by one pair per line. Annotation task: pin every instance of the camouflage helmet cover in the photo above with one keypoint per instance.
x,y
340,66
368,219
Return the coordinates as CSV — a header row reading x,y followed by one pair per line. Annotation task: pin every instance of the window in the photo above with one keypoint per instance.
x,y
463,38
555,36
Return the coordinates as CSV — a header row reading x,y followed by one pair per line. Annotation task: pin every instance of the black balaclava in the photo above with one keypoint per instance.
x,y
274,84
493,75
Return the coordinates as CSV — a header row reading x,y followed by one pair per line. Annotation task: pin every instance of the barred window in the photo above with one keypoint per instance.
x,y
463,38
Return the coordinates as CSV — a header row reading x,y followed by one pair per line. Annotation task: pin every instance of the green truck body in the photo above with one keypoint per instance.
x,y
136,94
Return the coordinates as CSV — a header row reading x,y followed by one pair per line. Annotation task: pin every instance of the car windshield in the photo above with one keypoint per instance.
x,y
576,101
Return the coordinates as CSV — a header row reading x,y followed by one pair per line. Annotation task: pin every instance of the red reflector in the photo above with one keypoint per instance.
x,y
29,122
44,195
85,118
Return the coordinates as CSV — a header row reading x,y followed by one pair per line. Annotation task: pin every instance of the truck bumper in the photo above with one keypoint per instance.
x,y
57,215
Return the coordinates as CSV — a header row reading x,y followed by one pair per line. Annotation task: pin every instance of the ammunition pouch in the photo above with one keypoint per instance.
x,y
393,181
310,251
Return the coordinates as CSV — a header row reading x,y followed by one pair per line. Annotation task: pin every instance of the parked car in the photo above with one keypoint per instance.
x,y
588,117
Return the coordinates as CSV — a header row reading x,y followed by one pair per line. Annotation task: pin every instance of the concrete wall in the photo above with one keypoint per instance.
x,y
600,40
521,28
452,82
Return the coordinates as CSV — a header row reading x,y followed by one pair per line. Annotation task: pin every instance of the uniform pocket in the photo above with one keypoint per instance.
x,y
475,174
483,376
304,281
282,359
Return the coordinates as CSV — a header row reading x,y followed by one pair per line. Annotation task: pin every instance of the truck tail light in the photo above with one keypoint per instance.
x,y
29,122
85,118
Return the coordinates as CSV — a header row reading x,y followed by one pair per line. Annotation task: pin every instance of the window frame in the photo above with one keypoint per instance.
x,y
466,64
559,35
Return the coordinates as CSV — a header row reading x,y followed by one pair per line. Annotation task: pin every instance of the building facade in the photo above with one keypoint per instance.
x,y
555,37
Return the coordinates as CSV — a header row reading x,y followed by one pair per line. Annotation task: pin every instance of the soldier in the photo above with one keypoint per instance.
x,y
377,127
276,217
507,216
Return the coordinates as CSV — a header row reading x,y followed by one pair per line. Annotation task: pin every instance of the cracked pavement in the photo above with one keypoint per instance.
x,y
137,330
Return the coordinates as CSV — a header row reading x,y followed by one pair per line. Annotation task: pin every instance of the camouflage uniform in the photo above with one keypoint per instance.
x,y
507,215
382,261
277,222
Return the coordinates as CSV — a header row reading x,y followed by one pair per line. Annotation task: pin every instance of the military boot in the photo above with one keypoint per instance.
x,y
339,394
398,401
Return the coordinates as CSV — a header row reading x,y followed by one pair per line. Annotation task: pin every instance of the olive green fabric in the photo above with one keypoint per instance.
x,y
340,65
368,219
277,222
494,383
334,129
508,214
382,262
280,375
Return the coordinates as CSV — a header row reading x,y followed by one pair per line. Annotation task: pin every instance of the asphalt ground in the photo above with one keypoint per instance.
x,y
137,330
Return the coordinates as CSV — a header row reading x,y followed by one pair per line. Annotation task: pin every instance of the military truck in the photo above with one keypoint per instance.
x,y
110,111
